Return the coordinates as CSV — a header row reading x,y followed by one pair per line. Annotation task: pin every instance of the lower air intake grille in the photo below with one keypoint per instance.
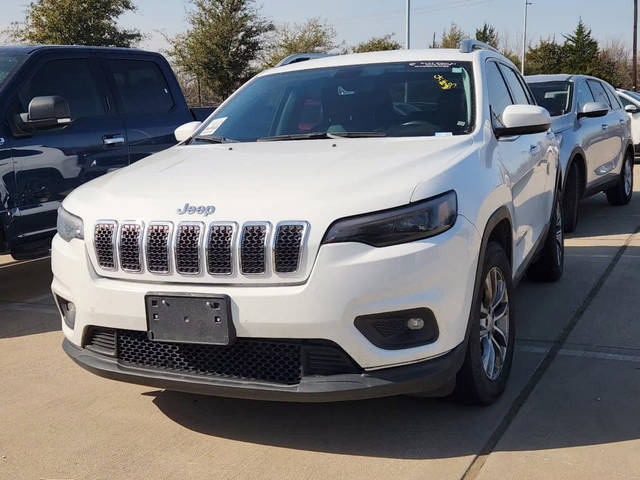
x,y
277,362
158,248
101,340
130,247
188,249
287,247
104,241
252,250
219,249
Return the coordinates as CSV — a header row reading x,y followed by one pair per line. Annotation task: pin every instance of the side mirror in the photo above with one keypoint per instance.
x,y
45,112
185,131
631,109
593,110
523,120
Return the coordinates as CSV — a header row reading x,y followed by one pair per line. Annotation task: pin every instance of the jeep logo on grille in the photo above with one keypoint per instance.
x,y
205,210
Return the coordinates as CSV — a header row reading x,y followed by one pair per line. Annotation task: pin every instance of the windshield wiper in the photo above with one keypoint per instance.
x,y
210,139
315,135
294,136
356,134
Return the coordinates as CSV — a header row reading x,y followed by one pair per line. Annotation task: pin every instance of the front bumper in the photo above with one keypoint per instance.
x,y
432,377
347,280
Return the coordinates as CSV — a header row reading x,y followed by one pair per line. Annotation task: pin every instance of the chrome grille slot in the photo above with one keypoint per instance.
x,y
157,247
187,248
104,243
130,247
252,248
220,249
288,246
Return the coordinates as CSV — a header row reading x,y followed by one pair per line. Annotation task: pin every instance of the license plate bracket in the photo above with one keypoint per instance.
x,y
189,319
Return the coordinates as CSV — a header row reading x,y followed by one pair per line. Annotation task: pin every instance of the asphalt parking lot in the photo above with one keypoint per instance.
x,y
570,410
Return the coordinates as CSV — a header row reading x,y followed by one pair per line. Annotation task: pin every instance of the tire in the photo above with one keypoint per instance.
x,y
487,364
571,199
549,265
621,194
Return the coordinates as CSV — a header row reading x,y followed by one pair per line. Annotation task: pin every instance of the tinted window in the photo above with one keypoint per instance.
x,y
554,96
613,98
73,80
520,96
9,63
499,97
583,94
392,99
599,94
141,86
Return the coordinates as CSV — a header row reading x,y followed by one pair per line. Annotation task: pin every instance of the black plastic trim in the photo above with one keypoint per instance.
x,y
409,338
423,377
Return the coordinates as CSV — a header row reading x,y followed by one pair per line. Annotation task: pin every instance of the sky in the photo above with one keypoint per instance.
x,y
358,20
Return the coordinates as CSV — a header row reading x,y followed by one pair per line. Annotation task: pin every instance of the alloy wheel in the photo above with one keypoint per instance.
x,y
494,323
628,177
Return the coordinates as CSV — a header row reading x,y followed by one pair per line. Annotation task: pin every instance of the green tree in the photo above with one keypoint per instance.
x,y
580,51
488,34
74,22
223,39
546,57
452,37
314,36
377,44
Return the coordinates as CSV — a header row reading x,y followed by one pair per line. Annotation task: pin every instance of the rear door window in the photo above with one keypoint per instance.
x,y
141,87
72,79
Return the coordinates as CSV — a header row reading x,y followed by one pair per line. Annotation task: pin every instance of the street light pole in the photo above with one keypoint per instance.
x,y
524,35
635,45
407,42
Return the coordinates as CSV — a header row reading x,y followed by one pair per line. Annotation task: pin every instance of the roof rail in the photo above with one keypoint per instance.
x,y
301,57
469,45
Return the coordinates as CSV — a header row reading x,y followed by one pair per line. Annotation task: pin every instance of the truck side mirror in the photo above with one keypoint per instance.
x,y
45,112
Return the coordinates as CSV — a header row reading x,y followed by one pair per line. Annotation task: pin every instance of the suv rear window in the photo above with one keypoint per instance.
x,y
554,96
392,99
141,86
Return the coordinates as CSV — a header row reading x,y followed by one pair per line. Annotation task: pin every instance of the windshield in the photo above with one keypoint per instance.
x,y
393,99
554,96
8,63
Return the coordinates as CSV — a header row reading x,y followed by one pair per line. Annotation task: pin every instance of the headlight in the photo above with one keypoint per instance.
x,y
69,226
397,225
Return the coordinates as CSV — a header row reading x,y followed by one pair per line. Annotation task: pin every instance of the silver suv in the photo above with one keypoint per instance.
x,y
596,151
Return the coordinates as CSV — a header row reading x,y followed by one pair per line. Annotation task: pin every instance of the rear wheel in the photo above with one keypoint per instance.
x,y
621,194
484,373
571,199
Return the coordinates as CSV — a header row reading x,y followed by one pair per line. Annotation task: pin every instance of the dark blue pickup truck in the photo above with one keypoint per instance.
x,y
71,114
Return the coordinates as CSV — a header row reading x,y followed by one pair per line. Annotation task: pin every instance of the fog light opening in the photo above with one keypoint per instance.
x,y
67,310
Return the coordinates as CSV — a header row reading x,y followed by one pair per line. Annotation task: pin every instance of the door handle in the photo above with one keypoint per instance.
x,y
604,126
113,140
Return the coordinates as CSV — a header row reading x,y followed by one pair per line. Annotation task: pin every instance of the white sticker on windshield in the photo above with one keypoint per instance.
x,y
444,134
213,126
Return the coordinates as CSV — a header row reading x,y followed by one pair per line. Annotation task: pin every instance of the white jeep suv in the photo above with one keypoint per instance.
x,y
340,228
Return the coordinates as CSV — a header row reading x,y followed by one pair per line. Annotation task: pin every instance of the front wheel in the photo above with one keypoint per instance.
x,y
622,192
484,373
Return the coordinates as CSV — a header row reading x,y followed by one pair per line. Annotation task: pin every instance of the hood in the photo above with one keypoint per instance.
x,y
317,181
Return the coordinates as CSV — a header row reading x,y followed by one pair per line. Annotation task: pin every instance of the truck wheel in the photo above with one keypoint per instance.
x,y
549,265
621,194
484,373
571,199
